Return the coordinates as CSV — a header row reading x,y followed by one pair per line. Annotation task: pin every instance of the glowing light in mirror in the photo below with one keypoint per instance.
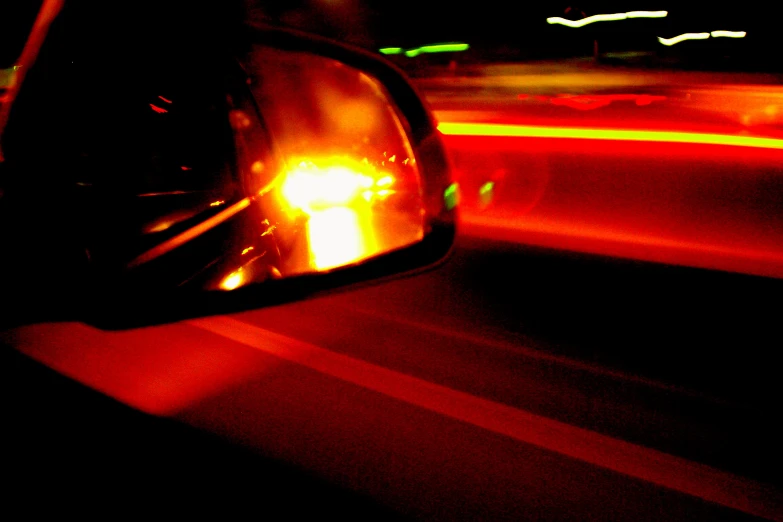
x,y
339,236
309,187
346,187
437,48
338,197
232,281
486,191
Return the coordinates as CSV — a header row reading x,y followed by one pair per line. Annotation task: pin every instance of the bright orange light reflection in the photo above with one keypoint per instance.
x,y
309,187
339,236
232,281
385,181
337,195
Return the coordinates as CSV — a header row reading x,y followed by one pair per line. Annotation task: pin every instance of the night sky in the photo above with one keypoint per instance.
x,y
495,29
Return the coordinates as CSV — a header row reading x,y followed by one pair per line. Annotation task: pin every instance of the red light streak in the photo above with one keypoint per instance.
x,y
46,15
530,131
157,109
587,103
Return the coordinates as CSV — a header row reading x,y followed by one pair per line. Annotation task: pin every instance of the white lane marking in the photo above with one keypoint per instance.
x,y
617,455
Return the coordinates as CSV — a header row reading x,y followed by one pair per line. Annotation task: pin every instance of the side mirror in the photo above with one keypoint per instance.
x,y
294,166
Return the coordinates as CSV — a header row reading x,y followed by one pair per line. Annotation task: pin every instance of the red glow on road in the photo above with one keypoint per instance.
x,y
159,370
561,234
617,455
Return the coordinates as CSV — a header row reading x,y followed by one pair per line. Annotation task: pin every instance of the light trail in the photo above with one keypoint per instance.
x,y
424,49
728,34
557,20
681,38
529,131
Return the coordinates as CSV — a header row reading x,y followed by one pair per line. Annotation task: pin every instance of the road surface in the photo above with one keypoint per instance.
x,y
509,383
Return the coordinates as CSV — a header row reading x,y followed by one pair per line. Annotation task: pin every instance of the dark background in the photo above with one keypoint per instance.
x,y
496,30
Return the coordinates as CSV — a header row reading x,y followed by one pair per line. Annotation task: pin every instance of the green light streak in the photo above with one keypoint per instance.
x,y
438,48
486,193
486,188
435,48
451,196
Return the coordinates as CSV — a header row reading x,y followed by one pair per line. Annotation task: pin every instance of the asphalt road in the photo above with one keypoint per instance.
x,y
509,383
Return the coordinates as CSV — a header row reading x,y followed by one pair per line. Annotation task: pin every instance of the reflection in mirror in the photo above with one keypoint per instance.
x,y
328,164
278,164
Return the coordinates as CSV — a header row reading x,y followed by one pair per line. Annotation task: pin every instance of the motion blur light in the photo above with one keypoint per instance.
x,y
683,37
580,133
451,196
424,49
485,193
701,36
728,34
557,20
232,281
309,187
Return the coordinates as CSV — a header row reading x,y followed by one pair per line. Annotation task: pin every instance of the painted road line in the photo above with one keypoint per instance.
x,y
617,455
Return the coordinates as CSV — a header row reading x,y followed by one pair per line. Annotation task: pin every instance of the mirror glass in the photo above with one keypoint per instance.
x,y
343,184
324,177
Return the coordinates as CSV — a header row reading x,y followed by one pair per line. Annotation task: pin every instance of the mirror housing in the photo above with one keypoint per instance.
x,y
132,261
